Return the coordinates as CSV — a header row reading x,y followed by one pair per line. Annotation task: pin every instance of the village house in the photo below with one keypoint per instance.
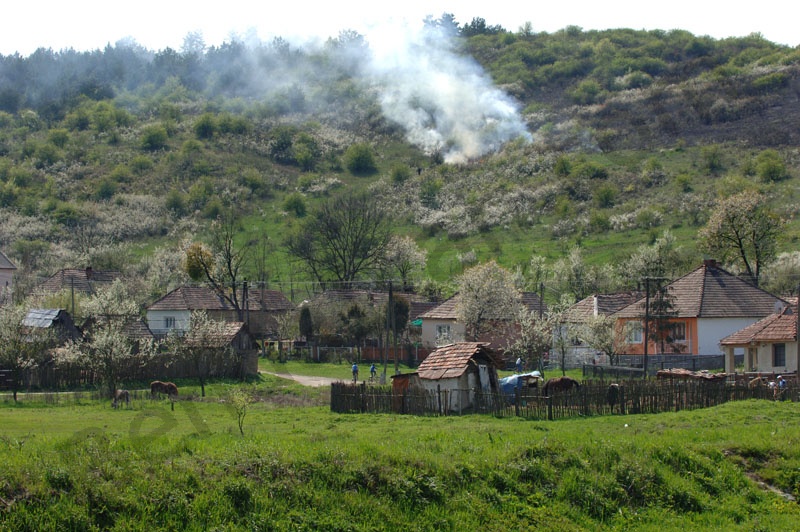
x,y
704,306
770,344
440,325
79,281
7,269
454,374
173,312
581,314
58,321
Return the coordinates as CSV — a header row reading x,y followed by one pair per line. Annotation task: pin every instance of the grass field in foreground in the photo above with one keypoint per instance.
x,y
83,466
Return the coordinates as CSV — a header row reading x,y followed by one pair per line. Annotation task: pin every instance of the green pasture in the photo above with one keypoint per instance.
x,y
76,464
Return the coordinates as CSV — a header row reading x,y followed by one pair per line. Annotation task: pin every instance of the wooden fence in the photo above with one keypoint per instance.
x,y
52,377
591,399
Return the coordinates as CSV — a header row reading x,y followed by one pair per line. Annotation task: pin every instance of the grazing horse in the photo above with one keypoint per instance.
x,y
168,388
119,397
560,384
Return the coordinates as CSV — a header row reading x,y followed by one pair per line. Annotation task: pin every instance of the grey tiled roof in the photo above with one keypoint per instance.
x,y
6,264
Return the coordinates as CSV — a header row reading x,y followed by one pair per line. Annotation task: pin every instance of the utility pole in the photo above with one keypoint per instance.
x,y
646,321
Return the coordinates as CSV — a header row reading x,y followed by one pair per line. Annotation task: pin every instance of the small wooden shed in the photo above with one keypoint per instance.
x,y
457,372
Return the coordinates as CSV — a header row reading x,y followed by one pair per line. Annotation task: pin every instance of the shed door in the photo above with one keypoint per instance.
x,y
483,371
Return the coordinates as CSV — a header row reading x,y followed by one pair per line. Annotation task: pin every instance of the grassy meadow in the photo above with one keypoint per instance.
x,y
77,464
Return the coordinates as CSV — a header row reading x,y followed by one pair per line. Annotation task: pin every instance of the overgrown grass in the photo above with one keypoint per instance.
x,y
84,466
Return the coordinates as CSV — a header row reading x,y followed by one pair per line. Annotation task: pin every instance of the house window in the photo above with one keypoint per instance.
x,y
778,355
169,322
443,334
679,332
633,332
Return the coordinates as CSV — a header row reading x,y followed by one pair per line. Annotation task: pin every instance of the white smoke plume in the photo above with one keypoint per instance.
x,y
444,100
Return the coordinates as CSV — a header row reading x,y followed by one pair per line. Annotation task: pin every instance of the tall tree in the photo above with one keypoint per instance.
x,y
488,297
204,346
404,257
221,263
743,229
343,239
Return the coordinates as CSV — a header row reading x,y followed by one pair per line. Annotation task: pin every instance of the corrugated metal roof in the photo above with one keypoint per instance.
x,y
42,318
6,264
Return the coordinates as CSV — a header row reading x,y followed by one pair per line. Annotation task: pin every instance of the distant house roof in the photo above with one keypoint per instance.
x,y
225,336
601,305
205,298
447,309
6,264
83,281
375,297
191,298
779,327
452,361
711,292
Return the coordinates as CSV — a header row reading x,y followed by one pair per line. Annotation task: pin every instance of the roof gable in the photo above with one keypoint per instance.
x,y
448,309
711,292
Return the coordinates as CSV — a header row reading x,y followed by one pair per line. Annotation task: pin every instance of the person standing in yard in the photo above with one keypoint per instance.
x,y
372,371
355,372
519,364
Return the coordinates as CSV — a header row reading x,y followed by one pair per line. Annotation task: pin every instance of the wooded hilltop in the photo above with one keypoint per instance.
x,y
597,150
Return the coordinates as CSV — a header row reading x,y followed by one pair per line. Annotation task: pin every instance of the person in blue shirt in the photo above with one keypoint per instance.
x,y
355,372
372,371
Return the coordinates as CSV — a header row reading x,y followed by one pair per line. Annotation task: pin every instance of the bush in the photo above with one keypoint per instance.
x,y
205,127
154,138
295,204
770,167
360,160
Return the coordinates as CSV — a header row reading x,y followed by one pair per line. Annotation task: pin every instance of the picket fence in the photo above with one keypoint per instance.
x,y
591,399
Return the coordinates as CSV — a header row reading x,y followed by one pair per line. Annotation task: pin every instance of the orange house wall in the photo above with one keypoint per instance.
x,y
652,348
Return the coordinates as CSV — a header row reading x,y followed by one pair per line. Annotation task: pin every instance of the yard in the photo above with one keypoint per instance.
x,y
77,464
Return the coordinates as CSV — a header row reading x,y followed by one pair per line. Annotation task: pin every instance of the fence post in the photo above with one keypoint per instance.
x,y
549,408
516,401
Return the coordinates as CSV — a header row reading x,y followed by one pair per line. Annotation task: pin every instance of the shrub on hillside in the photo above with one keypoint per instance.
x,y
359,159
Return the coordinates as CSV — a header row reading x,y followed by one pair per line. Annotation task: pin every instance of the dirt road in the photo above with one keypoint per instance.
x,y
305,380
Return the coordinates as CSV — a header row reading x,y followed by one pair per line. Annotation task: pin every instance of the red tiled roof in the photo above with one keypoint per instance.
x,y
192,298
780,327
711,292
601,304
452,361
224,336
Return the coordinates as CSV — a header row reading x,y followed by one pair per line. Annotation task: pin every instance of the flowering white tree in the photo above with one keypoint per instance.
x,y
106,350
404,257
21,348
487,297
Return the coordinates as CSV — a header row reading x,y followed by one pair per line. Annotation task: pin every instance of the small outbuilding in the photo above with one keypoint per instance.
x,y
457,373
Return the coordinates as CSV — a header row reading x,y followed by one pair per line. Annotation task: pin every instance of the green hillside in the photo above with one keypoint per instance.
x,y
485,143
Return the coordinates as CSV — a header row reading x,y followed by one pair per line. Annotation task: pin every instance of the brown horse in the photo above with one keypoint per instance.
x,y
560,384
167,388
119,397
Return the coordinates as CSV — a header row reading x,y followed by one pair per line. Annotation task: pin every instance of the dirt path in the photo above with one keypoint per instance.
x,y
305,380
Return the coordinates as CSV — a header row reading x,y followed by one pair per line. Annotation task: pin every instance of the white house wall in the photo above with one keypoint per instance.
x,y
156,320
711,330
764,362
429,332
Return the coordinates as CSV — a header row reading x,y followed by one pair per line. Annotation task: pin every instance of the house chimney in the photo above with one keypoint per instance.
x,y
710,263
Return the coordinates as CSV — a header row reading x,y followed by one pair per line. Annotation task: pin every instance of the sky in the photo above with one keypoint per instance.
x,y
26,25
